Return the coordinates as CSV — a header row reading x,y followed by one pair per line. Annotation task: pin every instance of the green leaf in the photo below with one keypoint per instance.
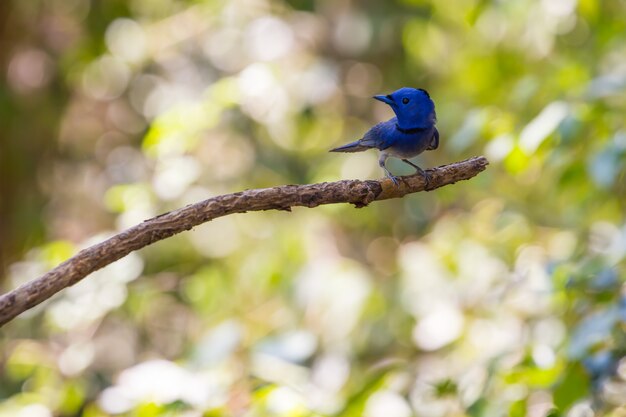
x,y
573,386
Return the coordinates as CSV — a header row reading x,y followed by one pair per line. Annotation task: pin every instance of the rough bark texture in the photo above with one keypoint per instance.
x,y
359,193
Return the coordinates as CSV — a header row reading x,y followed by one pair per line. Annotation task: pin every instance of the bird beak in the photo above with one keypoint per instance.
x,y
385,99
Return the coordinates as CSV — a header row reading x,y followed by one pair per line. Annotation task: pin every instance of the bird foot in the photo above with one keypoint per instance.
x,y
422,172
425,176
389,175
394,179
427,180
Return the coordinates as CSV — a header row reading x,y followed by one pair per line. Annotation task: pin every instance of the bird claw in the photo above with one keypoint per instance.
x,y
426,180
389,175
394,179
422,172
425,176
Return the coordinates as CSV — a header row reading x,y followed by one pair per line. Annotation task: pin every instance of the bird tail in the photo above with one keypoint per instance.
x,y
355,146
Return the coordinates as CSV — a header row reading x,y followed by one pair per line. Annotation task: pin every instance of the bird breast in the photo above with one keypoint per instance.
x,y
410,145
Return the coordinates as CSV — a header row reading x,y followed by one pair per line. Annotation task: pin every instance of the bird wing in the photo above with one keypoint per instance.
x,y
377,136
434,141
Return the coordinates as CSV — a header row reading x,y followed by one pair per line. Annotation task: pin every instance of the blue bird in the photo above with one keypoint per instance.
x,y
408,134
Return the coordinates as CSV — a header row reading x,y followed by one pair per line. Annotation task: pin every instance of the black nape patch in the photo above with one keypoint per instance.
x,y
425,92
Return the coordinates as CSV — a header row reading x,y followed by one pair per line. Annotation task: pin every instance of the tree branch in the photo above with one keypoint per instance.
x,y
359,193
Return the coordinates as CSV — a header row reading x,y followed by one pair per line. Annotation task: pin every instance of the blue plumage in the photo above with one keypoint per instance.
x,y
408,134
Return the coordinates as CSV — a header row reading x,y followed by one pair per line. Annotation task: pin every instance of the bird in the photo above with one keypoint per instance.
x,y
408,134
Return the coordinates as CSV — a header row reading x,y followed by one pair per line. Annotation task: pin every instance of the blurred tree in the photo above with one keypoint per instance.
x,y
32,102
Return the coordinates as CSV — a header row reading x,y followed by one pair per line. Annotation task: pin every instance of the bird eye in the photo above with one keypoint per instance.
x,y
405,100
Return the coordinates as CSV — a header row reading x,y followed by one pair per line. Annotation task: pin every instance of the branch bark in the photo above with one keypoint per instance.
x,y
359,193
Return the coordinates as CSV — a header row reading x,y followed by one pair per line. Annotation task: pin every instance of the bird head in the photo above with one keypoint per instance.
x,y
413,107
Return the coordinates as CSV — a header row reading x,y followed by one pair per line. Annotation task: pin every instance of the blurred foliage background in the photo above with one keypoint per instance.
x,y
500,296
